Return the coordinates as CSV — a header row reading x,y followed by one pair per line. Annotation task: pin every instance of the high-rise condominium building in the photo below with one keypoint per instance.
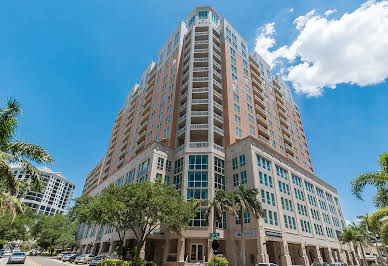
x,y
208,115
55,196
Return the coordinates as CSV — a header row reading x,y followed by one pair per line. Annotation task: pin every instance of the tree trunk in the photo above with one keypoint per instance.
x,y
139,247
363,254
379,252
242,237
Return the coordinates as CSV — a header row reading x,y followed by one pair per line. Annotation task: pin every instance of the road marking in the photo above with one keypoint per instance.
x,y
33,262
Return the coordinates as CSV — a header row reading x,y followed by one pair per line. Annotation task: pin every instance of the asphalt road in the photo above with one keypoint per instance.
x,y
38,261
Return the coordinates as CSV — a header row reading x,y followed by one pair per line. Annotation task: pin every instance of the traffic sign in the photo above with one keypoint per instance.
x,y
214,236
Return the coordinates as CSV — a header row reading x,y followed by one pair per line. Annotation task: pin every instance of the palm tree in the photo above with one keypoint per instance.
x,y
378,221
222,203
378,179
245,200
21,153
358,237
366,225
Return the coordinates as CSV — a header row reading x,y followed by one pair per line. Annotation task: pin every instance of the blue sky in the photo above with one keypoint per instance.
x,y
71,64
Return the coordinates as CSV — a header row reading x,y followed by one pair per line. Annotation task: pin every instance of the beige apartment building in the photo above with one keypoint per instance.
x,y
209,115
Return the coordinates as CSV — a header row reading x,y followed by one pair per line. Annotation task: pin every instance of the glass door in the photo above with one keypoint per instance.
x,y
196,254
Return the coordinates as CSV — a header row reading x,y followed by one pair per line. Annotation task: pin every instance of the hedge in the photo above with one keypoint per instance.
x,y
218,261
115,262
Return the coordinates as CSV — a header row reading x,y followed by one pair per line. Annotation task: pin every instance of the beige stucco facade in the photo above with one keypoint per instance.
x,y
210,116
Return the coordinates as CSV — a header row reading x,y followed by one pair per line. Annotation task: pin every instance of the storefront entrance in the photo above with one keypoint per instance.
x,y
196,253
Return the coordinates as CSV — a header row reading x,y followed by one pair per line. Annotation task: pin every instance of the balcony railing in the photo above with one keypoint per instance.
x,y
199,144
199,126
219,130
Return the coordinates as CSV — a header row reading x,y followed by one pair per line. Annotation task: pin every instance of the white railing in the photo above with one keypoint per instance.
x,y
216,93
264,139
183,107
202,59
216,64
182,118
217,74
199,144
217,56
180,131
201,50
219,106
200,101
218,147
180,148
201,42
218,117
200,69
199,90
259,108
217,47
200,78
216,38
219,130
217,83
183,95
201,33
199,113
199,126
263,128
262,119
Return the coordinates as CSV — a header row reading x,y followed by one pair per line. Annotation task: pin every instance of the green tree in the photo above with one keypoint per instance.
x,y
378,221
221,204
16,229
378,179
358,237
139,208
245,200
366,225
22,153
56,231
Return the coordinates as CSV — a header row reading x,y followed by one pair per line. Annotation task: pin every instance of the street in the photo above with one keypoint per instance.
x,y
38,261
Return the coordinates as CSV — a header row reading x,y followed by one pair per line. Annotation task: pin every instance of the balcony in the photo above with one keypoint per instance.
x,y
219,95
201,51
262,138
263,130
217,48
182,118
291,157
218,130
199,113
200,90
284,122
218,117
199,101
288,148
259,101
218,84
183,96
200,69
281,113
219,106
262,120
286,131
199,144
200,79
201,59
182,107
199,126
287,140
219,148
217,65
201,33
259,109
181,131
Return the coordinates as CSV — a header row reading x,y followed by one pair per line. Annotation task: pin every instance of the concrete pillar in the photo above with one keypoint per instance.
x,y
209,249
285,255
166,250
181,250
304,254
329,255
318,252
262,256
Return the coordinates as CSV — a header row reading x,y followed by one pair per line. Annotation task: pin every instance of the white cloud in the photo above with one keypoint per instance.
x,y
291,10
352,49
330,11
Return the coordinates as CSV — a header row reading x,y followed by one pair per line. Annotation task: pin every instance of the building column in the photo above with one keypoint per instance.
x,y
181,250
262,256
329,254
166,250
209,249
285,255
318,252
304,254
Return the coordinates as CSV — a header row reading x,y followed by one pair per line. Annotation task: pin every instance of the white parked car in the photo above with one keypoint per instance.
x,y
84,258
60,255
266,264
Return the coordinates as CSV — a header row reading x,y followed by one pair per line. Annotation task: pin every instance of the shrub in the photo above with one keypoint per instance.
x,y
218,261
114,262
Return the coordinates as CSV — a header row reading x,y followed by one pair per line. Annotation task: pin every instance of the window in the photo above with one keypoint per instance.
x,y
232,51
250,109
235,87
197,193
237,108
198,179
199,219
219,165
160,164
202,14
243,177
250,118
237,119
234,69
234,77
236,181
233,60
236,98
168,165
242,160
219,182
238,132
234,163
247,217
198,162
178,181
252,130
178,166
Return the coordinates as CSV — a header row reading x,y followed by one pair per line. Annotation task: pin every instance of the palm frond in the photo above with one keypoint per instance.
x,y
376,179
10,204
30,151
380,200
8,122
7,178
